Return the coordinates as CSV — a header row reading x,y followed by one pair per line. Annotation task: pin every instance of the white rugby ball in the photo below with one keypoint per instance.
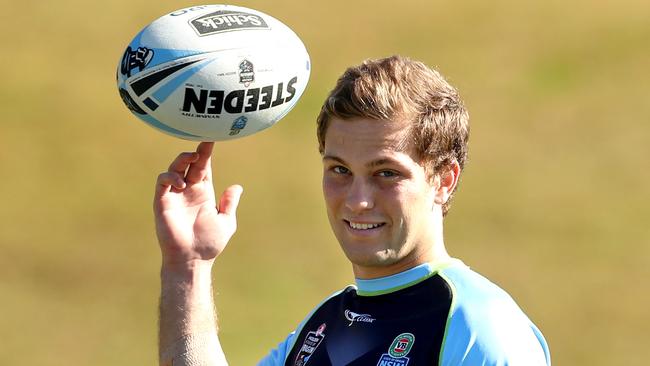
x,y
213,72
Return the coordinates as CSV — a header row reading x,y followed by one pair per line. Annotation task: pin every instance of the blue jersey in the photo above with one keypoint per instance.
x,y
443,314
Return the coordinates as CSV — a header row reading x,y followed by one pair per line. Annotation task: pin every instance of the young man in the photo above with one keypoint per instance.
x,y
393,137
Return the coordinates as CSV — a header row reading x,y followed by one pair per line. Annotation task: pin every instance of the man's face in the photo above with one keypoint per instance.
x,y
380,201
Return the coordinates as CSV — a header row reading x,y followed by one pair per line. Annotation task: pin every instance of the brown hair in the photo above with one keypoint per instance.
x,y
398,88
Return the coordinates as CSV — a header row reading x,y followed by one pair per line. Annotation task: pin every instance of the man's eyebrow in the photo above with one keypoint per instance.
x,y
383,161
372,164
335,158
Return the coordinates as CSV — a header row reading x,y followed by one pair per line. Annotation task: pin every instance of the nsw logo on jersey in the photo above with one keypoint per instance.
x,y
397,351
309,345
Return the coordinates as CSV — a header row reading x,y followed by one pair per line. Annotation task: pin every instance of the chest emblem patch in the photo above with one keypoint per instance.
x,y
397,351
309,345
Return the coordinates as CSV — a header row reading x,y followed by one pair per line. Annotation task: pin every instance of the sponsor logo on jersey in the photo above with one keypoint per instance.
x,y
135,59
356,317
225,21
309,345
397,351
199,102
246,73
238,125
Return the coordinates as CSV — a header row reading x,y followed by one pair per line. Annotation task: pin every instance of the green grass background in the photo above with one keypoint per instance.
x,y
554,205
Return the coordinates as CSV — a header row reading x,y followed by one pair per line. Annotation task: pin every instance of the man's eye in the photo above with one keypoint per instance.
x,y
340,170
387,173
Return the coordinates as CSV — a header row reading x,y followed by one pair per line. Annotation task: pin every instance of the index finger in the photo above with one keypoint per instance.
x,y
200,169
182,161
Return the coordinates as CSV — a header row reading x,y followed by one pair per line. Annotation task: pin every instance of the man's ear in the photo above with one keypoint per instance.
x,y
445,182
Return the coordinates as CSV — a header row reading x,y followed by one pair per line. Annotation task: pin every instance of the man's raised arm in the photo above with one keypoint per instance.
x,y
192,230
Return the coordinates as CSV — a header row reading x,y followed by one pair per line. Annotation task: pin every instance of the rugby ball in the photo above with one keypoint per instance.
x,y
213,72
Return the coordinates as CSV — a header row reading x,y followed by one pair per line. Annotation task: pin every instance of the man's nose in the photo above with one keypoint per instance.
x,y
360,196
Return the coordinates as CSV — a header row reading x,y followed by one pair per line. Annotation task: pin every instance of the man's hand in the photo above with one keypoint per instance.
x,y
192,231
189,223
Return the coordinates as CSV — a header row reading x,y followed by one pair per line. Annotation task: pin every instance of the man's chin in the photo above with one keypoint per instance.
x,y
371,259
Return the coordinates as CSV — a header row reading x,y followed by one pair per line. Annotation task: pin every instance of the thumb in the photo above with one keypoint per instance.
x,y
230,200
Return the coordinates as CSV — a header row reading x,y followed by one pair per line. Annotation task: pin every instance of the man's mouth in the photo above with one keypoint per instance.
x,y
363,225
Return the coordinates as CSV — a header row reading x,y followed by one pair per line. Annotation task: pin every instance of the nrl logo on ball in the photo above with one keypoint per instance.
x,y
246,73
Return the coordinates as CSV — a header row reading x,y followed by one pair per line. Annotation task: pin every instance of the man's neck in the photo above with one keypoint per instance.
x,y
436,254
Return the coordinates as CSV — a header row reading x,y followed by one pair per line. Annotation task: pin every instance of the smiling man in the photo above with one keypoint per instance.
x,y
393,137
380,200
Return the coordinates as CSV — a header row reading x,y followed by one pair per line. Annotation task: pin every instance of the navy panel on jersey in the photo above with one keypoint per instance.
x,y
359,330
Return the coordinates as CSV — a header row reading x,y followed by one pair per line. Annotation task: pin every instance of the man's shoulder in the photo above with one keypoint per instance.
x,y
471,289
485,324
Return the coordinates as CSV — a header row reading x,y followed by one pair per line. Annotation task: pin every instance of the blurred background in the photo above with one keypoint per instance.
x,y
553,206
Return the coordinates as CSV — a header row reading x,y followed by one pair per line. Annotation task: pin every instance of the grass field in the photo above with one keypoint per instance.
x,y
554,205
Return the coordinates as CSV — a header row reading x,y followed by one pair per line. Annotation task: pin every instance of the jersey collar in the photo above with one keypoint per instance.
x,y
388,284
